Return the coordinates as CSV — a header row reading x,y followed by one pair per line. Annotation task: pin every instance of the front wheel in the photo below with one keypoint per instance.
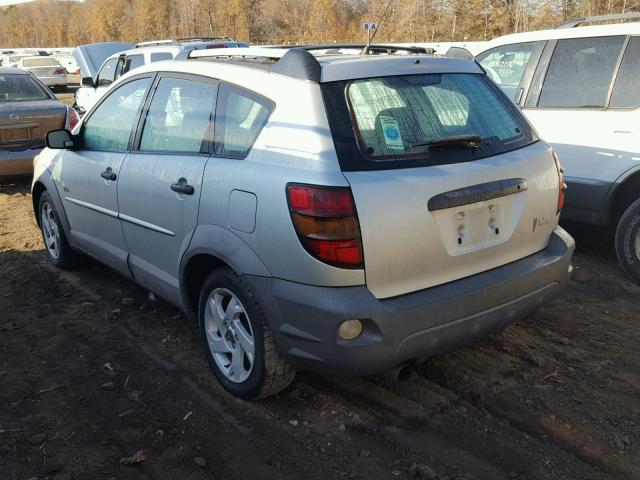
x,y
56,246
237,339
628,241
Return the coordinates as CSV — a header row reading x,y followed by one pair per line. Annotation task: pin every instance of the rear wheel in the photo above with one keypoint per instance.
x,y
628,241
238,342
56,246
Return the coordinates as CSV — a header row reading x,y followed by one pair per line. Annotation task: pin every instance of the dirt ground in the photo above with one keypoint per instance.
x,y
93,370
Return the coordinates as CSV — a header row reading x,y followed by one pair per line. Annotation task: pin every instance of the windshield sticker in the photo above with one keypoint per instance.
x,y
391,132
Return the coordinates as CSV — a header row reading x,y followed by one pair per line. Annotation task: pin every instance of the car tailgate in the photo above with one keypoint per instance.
x,y
425,226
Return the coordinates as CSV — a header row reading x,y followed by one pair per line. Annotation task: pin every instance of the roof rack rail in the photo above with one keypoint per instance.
x,y
151,43
375,49
600,18
292,60
204,39
178,41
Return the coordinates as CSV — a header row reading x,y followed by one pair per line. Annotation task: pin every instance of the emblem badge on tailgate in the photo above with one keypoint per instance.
x,y
539,222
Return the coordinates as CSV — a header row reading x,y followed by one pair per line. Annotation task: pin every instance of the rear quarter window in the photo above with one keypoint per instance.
x,y
626,91
240,117
389,120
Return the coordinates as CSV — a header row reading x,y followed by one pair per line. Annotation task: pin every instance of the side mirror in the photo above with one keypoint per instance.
x,y
60,139
87,82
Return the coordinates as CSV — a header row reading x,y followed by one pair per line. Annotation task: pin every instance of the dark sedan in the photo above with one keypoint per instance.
x,y
28,110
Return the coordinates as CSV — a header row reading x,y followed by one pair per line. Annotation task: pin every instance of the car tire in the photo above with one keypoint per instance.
x,y
56,247
238,342
628,241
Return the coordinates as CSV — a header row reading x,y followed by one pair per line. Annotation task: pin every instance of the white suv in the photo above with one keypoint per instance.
x,y
350,213
96,83
580,88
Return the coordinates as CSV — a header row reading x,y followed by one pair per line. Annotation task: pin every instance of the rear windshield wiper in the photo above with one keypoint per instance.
x,y
466,141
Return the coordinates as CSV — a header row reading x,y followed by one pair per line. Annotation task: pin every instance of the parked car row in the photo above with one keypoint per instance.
x,y
339,208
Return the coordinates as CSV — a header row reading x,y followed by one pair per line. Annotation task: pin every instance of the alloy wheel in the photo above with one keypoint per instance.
x,y
50,230
229,335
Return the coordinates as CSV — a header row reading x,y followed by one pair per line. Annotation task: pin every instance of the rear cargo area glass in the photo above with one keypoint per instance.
x,y
393,114
393,118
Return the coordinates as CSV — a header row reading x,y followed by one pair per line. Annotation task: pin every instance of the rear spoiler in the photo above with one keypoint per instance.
x,y
463,54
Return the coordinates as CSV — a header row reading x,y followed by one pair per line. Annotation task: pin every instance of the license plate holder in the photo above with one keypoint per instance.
x,y
478,226
15,134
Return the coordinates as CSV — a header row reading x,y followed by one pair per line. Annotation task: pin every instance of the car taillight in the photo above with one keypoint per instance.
x,y
209,47
72,118
59,71
326,222
561,185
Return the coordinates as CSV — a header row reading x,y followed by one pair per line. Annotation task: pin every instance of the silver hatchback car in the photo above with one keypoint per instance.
x,y
331,211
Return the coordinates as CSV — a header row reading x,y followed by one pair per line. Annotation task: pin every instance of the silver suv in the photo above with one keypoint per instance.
x,y
352,213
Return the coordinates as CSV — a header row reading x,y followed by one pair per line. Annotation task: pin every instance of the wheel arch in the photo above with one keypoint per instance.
x,y
624,193
213,247
45,183
37,190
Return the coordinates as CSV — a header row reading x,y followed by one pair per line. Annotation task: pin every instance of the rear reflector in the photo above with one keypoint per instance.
x,y
561,185
326,222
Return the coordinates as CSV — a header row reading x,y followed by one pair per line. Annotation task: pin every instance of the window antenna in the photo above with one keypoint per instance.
x,y
365,50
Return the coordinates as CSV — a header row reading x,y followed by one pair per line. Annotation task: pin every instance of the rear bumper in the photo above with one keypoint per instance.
x,y
410,327
17,162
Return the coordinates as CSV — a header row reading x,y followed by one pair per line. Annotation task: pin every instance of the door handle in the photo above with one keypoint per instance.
x,y
108,174
181,186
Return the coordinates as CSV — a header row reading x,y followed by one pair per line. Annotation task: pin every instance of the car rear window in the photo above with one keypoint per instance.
x,y
40,62
21,88
414,120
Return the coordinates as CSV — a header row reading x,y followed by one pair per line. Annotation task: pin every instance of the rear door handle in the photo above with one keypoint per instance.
x,y
108,174
181,186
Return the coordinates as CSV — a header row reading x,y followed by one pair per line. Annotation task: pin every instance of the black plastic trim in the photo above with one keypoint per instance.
x,y
477,193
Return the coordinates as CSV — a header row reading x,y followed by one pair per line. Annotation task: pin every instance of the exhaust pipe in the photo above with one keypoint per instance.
x,y
400,373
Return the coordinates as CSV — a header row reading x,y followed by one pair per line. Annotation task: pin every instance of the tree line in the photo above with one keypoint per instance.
x,y
48,23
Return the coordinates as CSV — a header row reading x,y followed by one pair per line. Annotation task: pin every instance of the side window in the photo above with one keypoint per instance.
x,y
626,92
107,72
179,116
111,124
159,56
240,116
505,65
132,62
580,72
